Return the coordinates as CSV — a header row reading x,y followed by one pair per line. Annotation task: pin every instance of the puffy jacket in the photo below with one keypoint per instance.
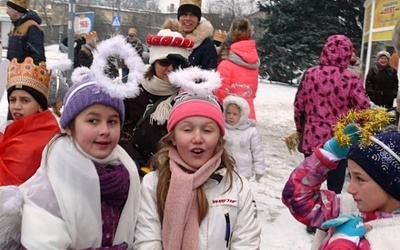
x,y
239,73
326,92
312,206
245,226
204,53
244,142
26,39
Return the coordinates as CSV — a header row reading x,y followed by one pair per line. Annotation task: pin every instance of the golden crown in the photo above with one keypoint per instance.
x,y
28,74
219,35
191,2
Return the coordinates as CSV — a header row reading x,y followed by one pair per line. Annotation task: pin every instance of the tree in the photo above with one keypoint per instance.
x,y
296,30
232,8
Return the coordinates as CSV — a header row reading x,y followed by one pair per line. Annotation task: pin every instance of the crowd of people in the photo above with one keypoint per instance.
x,y
162,155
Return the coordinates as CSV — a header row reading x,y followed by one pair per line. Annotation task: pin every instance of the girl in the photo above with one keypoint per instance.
x,y
374,187
242,138
195,199
85,192
23,138
238,64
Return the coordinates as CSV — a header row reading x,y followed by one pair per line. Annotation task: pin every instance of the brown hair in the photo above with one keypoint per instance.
x,y
160,161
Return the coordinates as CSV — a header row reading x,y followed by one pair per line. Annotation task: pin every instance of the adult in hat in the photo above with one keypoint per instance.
x,y
147,114
23,138
26,39
200,31
382,82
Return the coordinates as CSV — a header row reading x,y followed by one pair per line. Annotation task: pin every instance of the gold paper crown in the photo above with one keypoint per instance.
x,y
191,2
28,74
219,35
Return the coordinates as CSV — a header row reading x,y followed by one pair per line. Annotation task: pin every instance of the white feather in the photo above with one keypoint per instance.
x,y
61,65
194,80
118,47
79,74
11,203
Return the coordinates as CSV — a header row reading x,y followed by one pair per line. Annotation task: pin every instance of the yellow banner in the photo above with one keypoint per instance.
x,y
367,21
387,12
382,36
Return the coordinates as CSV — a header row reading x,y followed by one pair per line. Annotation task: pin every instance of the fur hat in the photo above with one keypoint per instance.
x,y
193,6
168,42
382,53
19,5
241,29
241,103
30,77
381,161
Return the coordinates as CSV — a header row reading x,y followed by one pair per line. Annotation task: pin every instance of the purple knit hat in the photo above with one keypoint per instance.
x,y
84,94
381,161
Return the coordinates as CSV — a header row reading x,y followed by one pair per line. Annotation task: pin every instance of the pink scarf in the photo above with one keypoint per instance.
x,y
180,225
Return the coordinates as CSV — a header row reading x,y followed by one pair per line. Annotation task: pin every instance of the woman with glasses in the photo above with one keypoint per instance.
x,y
147,114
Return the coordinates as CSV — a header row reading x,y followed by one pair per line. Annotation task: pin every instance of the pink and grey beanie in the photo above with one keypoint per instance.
x,y
84,94
188,105
381,161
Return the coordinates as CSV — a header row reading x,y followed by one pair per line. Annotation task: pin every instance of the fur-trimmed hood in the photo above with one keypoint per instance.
x,y
244,109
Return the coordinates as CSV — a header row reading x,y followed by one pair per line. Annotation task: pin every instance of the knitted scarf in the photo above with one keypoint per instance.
x,y
182,232
159,87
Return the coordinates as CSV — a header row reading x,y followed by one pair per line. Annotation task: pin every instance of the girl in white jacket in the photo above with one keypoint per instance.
x,y
195,199
242,138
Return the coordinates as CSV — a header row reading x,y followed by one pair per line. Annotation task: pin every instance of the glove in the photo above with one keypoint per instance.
x,y
178,61
258,177
341,151
350,225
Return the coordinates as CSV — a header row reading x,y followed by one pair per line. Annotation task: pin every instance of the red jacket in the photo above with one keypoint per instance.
x,y
22,144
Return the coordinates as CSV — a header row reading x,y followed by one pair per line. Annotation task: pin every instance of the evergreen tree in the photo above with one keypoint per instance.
x,y
296,31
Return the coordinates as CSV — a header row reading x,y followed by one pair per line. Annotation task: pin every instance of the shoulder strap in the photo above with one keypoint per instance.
x,y
148,112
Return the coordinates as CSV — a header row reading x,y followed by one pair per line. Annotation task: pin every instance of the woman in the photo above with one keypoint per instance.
x,y
200,31
146,115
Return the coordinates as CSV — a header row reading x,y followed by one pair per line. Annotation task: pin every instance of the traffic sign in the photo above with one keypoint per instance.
x,y
116,22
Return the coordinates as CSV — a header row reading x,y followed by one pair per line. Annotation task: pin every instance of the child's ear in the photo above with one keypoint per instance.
x,y
40,110
68,131
173,142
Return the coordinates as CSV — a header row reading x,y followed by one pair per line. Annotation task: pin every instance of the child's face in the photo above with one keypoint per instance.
x,y
232,114
368,195
22,104
196,139
97,130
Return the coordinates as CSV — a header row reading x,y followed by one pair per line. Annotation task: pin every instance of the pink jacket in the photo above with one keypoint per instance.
x,y
326,92
239,72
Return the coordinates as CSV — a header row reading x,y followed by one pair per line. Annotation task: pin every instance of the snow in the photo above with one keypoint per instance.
x,y
274,111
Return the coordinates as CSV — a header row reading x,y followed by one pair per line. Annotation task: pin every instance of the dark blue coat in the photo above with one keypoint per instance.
x,y
205,55
27,39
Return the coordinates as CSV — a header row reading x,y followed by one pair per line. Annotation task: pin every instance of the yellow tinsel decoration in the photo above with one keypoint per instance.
x,y
368,121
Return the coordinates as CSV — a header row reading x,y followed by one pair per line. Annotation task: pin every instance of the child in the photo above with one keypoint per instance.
x,y
374,187
23,138
242,138
195,199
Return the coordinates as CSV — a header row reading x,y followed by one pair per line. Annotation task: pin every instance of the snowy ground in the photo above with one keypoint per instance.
x,y
274,110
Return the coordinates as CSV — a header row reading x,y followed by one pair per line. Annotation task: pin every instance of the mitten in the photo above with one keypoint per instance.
x,y
178,60
341,151
258,177
350,225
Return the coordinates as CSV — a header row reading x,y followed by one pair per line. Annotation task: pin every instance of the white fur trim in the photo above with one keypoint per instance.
x,y
61,65
194,80
117,46
11,203
79,74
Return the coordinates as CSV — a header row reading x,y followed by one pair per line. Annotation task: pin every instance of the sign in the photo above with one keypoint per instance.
x,y
116,22
83,22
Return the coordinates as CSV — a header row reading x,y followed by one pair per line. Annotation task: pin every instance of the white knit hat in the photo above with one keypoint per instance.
x,y
383,53
168,42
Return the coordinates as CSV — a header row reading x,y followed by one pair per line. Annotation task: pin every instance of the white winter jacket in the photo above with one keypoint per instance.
x,y
243,141
237,203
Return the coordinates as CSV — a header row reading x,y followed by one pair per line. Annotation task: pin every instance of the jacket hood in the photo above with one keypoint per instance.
x,y
337,51
244,53
30,15
243,105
